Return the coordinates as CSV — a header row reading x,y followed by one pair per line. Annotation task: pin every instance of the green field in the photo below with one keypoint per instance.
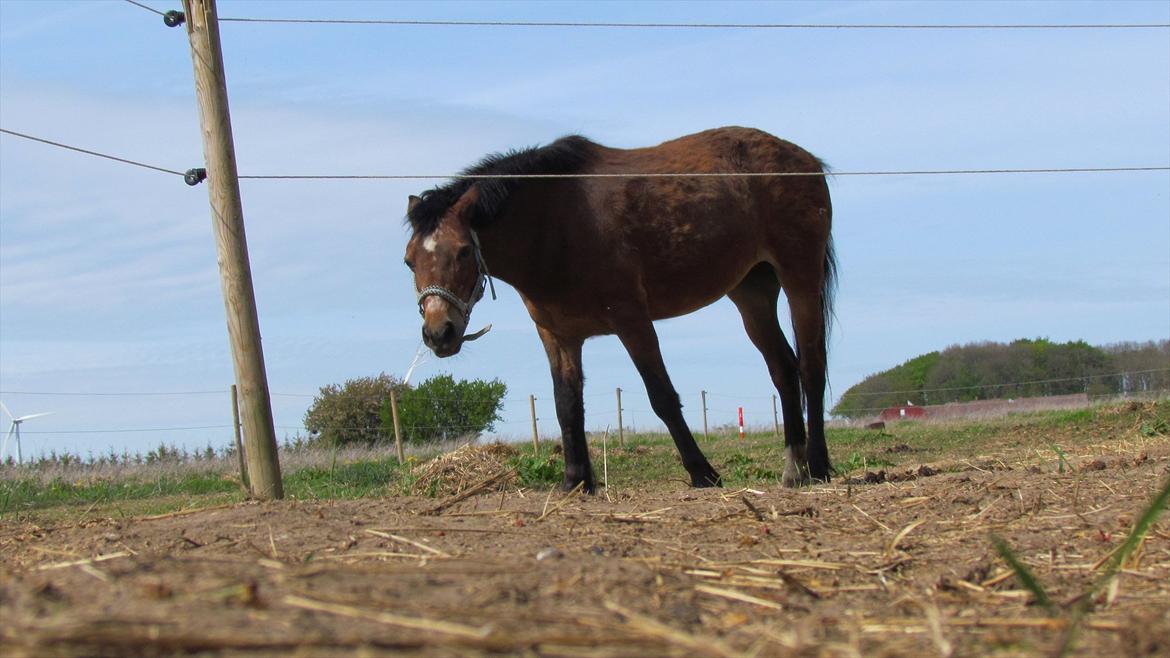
x,y
646,460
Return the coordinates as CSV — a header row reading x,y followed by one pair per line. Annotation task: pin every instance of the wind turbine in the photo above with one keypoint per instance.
x,y
14,431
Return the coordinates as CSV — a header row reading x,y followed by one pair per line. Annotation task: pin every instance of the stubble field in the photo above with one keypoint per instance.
x,y
896,559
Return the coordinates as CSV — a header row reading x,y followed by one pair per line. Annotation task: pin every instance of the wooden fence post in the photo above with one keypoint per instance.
x,y
621,430
227,219
239,444
397,427
704,394
535,434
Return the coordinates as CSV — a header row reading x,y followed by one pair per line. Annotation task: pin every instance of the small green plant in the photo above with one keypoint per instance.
x,y
1155,427
859,462
1063,464
744,466
534,471
1027,578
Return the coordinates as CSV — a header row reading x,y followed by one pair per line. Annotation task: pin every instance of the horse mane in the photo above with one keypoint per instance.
x,y
567,155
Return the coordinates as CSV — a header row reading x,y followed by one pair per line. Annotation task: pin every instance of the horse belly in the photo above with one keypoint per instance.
x,y
696,268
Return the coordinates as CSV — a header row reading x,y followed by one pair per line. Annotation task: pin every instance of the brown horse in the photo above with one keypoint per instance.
x,y
601,241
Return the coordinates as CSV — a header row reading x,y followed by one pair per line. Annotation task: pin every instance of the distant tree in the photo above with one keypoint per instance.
x,y
1146,367
1022,368
350,413
894,386
441,408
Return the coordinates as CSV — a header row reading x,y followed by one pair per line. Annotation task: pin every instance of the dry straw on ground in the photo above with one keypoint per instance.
x,y
456,471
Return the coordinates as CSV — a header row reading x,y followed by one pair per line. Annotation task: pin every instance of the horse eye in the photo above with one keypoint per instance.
x,y
464,252
409,265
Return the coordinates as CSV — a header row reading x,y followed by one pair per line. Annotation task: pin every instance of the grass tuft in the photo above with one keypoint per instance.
x,y
1023,573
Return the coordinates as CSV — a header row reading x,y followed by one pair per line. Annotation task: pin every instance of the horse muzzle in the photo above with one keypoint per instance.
x,y
443,338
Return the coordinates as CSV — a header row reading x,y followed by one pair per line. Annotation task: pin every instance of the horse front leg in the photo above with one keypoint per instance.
x,y
564,360
641,341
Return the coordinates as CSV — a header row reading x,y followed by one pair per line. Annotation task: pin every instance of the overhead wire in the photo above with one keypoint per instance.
x,y
95,154
697,25
708,174
146,7
662,25
640,396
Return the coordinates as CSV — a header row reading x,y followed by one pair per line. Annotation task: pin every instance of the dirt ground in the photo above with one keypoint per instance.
x,y
898,563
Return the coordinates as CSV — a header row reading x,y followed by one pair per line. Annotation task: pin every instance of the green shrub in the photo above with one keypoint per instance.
x,y
441,408
350,413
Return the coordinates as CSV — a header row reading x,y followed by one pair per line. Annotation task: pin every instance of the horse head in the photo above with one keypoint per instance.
x,y
449,275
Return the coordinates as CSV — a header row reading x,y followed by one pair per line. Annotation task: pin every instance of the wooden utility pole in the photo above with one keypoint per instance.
x,y
621,430
397,427
227,218
704,394
535,435
239,443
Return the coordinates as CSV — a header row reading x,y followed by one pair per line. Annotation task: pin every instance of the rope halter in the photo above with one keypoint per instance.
x,y
483,280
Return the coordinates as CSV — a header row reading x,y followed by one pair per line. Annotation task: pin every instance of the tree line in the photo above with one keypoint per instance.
x,y
1021,368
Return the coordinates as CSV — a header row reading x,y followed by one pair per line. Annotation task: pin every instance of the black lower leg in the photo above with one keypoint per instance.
x,y
664,400
571,414
564,357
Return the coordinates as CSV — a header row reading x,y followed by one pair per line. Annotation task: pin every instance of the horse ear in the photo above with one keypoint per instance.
x,y
411,203
467,202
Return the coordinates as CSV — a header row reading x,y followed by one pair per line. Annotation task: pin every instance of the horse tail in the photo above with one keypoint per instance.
x,y
829,280
829,287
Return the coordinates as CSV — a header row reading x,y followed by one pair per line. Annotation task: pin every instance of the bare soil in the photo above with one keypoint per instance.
x,y
887,564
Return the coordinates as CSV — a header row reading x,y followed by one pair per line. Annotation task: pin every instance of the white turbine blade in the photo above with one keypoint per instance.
x,y
24,418
5,408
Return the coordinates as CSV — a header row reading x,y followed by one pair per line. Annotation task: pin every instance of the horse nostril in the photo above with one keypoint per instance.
x,y
443,336
448,334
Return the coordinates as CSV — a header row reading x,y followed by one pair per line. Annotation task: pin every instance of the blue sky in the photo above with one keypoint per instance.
x,y
108,281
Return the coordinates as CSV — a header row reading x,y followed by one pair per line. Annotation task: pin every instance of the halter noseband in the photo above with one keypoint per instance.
x,y
464,307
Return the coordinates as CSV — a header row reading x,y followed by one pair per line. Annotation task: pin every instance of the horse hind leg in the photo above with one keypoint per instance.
x,y
756,297
808,319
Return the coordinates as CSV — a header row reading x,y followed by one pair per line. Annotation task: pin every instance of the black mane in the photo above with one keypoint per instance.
x,y
567,155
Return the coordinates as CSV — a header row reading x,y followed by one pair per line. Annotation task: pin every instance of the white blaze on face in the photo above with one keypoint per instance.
x,y
429,244
434,305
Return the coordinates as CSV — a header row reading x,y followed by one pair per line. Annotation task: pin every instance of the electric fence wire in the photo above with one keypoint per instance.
x,y
96,154
522,398
409,22
146,7
716,174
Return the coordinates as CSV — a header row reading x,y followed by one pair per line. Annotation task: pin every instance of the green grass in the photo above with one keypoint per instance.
x,y
361,479
29,494
538,472
645,460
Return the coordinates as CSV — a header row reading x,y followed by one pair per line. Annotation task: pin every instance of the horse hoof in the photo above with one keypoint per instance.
x,y
795,476
706,480
819,475
586,485
795,481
